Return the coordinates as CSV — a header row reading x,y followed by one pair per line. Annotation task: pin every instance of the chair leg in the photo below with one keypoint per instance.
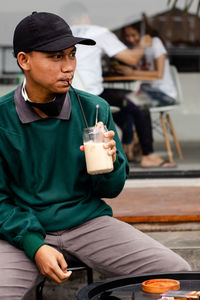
x,y
178,148
39,290
89,275
167,142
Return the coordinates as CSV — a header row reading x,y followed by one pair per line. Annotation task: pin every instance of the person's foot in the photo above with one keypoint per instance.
x,y
152,161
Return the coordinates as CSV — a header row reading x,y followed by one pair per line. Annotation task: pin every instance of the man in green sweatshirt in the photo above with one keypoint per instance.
x,y
50,207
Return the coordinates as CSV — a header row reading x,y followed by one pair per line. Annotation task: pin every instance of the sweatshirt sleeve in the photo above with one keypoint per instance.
x,y
109,185
19,227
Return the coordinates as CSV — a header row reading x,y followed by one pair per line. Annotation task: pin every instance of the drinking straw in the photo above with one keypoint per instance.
x,y
97,109
79,100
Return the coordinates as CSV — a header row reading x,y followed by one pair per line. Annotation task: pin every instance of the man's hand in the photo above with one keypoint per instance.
x,y
52,264
145,41
109,144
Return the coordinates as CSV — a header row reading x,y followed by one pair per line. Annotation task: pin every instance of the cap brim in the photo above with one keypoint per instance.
x,y
64,43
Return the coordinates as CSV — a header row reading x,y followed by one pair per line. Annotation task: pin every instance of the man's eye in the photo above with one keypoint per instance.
x,y
57,56
73,54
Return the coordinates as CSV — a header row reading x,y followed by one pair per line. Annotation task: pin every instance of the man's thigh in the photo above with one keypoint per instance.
x,y
18,274
115,248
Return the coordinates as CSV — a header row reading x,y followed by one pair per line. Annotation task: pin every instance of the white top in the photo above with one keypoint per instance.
x,y
166,83
89,65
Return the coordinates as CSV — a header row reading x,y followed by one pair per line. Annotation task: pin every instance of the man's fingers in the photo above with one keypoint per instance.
x,y
60,269
109,134
59,274
82,148
62,262
99,124
59,278
112,150
110,144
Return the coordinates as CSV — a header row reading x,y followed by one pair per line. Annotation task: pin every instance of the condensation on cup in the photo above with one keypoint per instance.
x,y
97,159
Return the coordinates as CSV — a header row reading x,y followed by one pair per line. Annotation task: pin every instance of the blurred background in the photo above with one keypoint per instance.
x,y
178,21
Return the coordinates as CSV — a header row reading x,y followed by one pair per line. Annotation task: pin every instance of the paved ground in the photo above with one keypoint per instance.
x,y
188,167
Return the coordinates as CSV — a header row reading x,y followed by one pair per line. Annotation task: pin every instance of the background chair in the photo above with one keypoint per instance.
x,y
165,119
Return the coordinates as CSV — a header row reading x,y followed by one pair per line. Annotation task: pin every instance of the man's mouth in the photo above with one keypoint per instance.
x,y
66,81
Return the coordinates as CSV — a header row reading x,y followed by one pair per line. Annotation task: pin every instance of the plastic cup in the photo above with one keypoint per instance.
x,y
97,159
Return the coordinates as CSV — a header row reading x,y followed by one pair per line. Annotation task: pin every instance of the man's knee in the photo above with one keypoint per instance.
x,y
173,262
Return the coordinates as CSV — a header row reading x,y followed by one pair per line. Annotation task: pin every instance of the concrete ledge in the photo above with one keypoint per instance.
x,y
169,226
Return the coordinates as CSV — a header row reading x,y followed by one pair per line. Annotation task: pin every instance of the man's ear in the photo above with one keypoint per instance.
x,y
24,60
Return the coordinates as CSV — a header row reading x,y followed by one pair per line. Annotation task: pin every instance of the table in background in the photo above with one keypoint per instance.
x,y
129,287
126,80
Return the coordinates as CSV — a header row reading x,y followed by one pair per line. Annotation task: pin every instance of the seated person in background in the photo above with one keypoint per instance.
x,y
144,132
155,62
51,209
89,67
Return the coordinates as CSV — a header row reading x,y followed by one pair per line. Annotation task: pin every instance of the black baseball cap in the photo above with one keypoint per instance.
x,y
45,32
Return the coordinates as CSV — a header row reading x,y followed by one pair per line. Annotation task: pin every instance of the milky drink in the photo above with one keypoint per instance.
x,y
97,159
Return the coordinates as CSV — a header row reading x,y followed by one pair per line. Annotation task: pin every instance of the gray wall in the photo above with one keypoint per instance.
x,y
109,13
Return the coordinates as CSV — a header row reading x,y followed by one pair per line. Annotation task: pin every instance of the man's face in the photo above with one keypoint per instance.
x,y
49,73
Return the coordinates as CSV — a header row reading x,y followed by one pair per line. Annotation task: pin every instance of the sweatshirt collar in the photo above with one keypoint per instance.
x,y
27,114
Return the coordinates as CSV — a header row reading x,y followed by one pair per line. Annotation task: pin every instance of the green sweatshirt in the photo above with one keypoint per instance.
x,y
44,185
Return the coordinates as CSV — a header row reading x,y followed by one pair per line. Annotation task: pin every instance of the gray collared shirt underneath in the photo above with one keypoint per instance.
x,y
27,114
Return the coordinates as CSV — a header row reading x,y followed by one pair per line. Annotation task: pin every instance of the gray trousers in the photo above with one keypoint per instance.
x,y
105,244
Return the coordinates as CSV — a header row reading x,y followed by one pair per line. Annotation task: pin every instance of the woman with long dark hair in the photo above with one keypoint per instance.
x,y
155,62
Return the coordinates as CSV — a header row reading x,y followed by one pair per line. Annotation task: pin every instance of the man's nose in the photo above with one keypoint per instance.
x,y
68,65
